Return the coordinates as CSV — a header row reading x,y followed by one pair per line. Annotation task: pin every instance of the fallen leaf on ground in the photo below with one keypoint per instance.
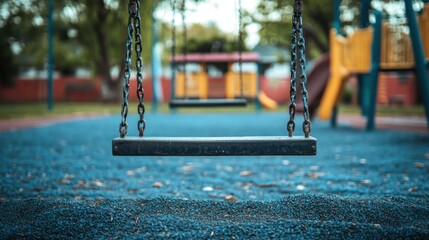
x,y
88,184
419,165
316,175
157,184
314,168
135,171
187,168
265,185
231,198
246,173
98,184
63,181
207,189
362,161
366,181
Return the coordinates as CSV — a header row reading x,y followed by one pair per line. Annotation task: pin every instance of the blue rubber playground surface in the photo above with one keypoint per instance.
x,y
61,181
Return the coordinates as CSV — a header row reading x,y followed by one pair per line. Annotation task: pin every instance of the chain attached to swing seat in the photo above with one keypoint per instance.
x,y
297,30
133,25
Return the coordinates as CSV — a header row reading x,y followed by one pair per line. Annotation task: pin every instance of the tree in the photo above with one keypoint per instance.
x,y
275,20
88,33
102,29
275,17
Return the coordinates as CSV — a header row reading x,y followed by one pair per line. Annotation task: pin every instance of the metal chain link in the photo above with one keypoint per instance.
x,y
185,48
173,50
306,125
141,124
292,105
240,48
134,14
297,29
123,126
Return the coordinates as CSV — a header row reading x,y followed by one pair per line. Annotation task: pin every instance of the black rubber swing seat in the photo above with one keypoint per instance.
x,y
214,146
238,102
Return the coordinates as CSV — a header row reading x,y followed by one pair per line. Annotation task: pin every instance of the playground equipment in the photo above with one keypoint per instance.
x,y
190,90
199,87
318,76
348,55
261,145
372,49
396,47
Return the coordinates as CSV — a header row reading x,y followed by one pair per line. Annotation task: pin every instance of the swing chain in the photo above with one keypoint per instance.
x,y
306,125
292,105
184,47
133,24
173,48
297,29
240,47
141,124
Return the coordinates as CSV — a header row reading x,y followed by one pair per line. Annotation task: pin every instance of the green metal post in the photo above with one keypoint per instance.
x,y
363,23
51,55
258,87
364,13
337,25
372,78
333,120
419,57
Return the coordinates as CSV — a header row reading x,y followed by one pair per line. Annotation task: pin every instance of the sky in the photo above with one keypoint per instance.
x,y
222,13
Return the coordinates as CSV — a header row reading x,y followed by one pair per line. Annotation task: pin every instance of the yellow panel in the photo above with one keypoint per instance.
x,y
358,51
203,85
233,84
229,85
180,93
249,84
396,48
196,85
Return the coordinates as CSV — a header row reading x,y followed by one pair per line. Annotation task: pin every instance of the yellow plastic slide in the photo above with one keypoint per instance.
x,y
352,54
338,73
266,101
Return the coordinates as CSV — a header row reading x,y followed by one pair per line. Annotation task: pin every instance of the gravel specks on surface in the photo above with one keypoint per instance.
x,y
61,181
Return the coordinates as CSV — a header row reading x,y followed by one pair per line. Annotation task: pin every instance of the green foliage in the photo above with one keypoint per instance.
x,y
8,68
275,17
77,24
209,39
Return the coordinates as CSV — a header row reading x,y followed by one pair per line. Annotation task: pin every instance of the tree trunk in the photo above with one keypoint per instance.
x,y
110,87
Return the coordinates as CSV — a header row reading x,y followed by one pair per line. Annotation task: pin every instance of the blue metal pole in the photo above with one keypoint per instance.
x,y
258,86
153,65
419,57
363,23
50,55
364,13
372,78
337,26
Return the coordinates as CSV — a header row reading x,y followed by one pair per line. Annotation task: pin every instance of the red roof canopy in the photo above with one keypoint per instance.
x,y
217,57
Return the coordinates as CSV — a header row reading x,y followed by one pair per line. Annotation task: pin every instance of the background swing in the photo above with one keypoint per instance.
x,y
215,146
181,82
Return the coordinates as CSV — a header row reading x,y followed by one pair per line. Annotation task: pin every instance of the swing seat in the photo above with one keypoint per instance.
x,y
214,146
238,102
